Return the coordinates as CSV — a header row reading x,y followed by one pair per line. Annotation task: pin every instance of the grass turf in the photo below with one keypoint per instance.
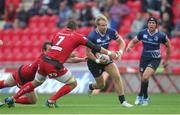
x,y
98,104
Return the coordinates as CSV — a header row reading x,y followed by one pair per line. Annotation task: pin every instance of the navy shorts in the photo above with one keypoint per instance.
x,y
96,69
149,62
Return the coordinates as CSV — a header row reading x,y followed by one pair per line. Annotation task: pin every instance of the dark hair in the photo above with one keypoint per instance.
x,y
151,18
44,47
72,24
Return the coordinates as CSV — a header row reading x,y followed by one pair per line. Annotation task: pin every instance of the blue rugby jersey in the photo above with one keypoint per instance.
x,y
151,43
102,40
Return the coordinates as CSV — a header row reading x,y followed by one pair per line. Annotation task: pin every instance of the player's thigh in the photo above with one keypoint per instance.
x,y
66,78
10,81
95,69
112,70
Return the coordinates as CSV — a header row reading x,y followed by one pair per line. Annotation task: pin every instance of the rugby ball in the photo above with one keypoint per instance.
x,y
104,58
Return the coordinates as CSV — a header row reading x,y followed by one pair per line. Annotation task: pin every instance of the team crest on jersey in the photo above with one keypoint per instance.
x,y
145,36
156,38
98,40
108,38
149,65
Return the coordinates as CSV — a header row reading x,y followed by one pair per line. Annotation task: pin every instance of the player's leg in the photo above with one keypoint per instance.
x,y
139,98
70,84
142,66
105,77
29,98
146,75
28,87
149,71
9,82
113,72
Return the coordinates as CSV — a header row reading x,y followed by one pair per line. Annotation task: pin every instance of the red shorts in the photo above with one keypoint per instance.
x,y
48,69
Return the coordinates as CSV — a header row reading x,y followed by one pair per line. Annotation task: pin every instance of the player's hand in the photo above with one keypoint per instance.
x,y
114,55
128,49
165,63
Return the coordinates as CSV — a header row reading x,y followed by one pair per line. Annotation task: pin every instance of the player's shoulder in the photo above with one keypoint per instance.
x,y
111,30
92,33
161,33
143,30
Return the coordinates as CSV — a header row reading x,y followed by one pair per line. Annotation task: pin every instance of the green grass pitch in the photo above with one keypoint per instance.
x,y
98,104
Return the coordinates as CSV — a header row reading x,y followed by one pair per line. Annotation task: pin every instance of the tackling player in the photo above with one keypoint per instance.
x,y
102,35
151,56
51,64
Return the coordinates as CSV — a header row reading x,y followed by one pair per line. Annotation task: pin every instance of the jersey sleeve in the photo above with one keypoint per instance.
x,y
82,39
114,34
139,36
163,38
90,36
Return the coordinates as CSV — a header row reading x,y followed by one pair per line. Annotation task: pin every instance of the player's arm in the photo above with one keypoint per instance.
x,y
76,60
90,55
97,48
131,44
168,51
122,45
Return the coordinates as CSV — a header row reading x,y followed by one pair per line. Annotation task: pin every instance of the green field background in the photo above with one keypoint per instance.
x,y
97,104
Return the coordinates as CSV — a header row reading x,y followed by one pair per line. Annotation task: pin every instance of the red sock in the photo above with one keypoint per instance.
x,y
28,87
62,91
2,84
23,100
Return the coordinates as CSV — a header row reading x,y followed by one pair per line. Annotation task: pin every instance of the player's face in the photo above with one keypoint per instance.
x,y
102,26
152,25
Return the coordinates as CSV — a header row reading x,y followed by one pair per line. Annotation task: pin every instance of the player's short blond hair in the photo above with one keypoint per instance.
x,y
100,17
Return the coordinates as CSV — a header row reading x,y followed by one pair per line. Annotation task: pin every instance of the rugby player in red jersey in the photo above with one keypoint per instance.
x,y
51,64
24,74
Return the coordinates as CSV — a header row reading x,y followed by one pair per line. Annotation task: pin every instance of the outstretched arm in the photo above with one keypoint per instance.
x,y
131,44
96,48
168,52
122,45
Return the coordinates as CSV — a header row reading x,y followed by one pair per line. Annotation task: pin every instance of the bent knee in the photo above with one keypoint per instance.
x,y
72,82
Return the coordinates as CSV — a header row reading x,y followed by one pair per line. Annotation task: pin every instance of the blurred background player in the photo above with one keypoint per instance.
x,y
151,38
102,35
51,64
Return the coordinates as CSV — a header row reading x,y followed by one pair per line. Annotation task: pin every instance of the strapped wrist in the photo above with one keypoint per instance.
x,y
120,52
109,53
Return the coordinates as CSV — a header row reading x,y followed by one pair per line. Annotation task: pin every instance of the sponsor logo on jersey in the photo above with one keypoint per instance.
x,y
145,36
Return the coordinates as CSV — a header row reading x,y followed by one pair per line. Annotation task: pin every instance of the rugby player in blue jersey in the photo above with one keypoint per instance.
x,y
151,38
102,35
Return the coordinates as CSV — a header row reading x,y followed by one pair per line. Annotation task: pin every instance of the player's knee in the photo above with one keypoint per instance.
x,y
145,77
72,82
